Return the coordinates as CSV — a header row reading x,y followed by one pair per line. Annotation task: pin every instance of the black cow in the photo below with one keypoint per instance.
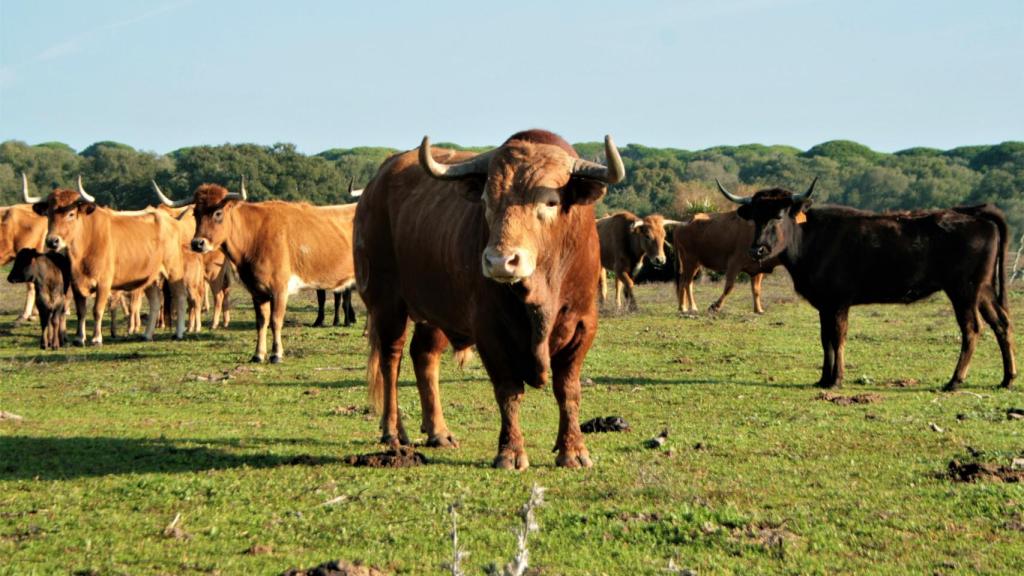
x,y
839,257
50,272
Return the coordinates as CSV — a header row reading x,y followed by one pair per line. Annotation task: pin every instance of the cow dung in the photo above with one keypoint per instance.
x,y
983,471
605,424
335,568
400,457
839,399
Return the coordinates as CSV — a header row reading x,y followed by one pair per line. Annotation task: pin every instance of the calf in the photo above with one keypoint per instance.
x,y
50,273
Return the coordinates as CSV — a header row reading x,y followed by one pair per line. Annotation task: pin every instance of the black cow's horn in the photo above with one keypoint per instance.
x,y
732,197
806,195
82,193
611,174
353,192
24,191
475,166
167,201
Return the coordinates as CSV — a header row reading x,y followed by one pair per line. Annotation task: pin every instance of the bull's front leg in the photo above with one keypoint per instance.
x,y
511,449
153,297
572,451
80,313
180,304
99,308
278,306
833,344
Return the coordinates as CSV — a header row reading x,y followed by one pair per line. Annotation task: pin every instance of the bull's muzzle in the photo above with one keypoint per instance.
x,y
200,245
759,252
54,242
659,260
507,266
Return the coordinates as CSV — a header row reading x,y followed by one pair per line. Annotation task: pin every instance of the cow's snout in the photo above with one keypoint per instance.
x,y
53,242
509,266
759,252
659,260
200,245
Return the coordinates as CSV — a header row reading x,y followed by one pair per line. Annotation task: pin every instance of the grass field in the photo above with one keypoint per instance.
x,y
758,474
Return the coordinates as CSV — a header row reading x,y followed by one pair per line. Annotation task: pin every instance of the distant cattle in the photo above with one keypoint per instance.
x,y
840,257
50,273
277,248
499,250
109,250
21,227
625,240
719,242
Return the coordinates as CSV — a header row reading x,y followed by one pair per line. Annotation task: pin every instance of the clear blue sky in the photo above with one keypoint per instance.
x,y
690,74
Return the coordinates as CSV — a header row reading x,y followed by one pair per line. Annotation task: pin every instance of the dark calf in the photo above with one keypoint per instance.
x,y
51,275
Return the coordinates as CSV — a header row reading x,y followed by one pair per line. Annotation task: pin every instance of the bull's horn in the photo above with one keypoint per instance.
x,y
636,224
24,191
475,166
670,224
82,192
244,194
806,195
732,197
353,192
167,201
611,174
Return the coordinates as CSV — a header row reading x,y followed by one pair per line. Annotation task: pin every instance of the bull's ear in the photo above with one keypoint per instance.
x,y
745,212
87,207
472,189
40,208
583,191
799,207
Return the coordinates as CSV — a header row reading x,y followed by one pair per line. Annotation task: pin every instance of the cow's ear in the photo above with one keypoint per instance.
x,y
799,207
87,207
582,191
40,208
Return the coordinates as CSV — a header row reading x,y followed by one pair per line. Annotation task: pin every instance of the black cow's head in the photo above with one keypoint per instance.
x,y
775,213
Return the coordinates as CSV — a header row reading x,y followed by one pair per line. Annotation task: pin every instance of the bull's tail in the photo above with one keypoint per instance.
x,y
994,215
374,377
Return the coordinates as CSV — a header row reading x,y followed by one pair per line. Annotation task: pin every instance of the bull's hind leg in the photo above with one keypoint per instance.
x,y
387,339
80,314
278,306
685,287
833,343
261,305
427,346
45,328
999,320
321,301
755,290
337,307
967,317
153,297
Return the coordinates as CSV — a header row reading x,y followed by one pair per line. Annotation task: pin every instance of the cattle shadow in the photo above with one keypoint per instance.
x,y
58,357
29,458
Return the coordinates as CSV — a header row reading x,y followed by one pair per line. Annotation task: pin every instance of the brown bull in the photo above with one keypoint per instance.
x,y
625,240
277,248
20,228
109,250
499,250
718,242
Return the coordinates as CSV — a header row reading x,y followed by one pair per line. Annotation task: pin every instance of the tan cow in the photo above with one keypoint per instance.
x,y
625,240
20,228
277,248
718,242
113,251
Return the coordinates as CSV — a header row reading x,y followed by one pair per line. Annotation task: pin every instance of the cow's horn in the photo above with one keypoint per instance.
x,y
475,166
732,197
245,195
167,201
611,174
353,192
82,192
24,191
806,195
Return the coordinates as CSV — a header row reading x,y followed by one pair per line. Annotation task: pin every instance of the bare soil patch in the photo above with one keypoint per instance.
x,y
839,399
401,457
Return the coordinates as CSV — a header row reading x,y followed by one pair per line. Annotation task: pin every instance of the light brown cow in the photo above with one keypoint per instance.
x,y
498,250
20,227
277,248
718,242
625,240
113,251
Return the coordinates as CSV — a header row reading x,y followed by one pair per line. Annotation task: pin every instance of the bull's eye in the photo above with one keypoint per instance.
x,y
218,215
70,216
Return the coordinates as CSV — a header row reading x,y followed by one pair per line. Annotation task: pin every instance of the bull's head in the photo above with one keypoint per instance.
x,y
213,208
64,210
530,182
775,213
650,233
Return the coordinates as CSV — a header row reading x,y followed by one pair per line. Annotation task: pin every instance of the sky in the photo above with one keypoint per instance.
x,y
161,75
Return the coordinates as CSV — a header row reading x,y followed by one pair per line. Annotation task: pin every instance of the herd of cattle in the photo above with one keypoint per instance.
x,y
497,251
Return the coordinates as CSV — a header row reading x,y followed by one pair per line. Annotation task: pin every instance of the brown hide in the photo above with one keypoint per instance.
x,y
21,227
276,247
421,249
719,242
625,240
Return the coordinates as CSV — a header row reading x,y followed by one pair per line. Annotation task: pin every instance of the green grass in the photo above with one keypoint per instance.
x,y
117,440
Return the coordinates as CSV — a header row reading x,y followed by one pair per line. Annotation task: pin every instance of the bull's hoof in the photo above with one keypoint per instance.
x,y
952,386
574,459
97,341
1007,381
145,337
827,384
756,311
256,359
715,308
510,459
395,440
275,358
443,440
318,324
179,337
78,342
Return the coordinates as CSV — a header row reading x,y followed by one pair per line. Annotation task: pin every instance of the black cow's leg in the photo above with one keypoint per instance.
x,y
511,449
967,318
337,306
829,341
321,299
44,325
998,319
346,303
427,346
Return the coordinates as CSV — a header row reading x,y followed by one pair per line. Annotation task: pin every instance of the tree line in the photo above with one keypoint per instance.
x,y
666,180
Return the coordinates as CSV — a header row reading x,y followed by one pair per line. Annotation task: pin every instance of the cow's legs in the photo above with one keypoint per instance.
x,y
337,308
833,344
998,319
427,346
685,287
153,296
278,306
755,290
346,303
80,313
321,300
967,317
30,302
572,451
99,307
387,339
730,282
511,449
